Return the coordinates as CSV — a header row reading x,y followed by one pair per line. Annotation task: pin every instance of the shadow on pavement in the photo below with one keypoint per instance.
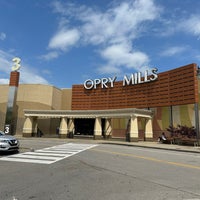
x,y
8,153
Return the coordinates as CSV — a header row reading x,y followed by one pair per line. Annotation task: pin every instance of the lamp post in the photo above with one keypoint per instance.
x,y
196,107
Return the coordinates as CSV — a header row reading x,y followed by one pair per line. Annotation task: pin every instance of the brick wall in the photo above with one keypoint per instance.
x,y
174,87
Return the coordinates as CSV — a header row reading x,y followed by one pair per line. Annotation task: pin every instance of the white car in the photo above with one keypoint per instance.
x,y
8,142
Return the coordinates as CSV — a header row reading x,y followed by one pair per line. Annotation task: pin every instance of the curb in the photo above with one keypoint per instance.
x,y
153,147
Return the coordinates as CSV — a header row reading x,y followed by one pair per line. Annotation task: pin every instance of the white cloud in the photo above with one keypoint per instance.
x,y
2,36
191,25
4,81
109,69
50,55
117,24
64,39
171,51
109,31
123,55
5,62
27,73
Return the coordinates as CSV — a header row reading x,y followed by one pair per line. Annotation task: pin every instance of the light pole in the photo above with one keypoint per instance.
x,y
196,108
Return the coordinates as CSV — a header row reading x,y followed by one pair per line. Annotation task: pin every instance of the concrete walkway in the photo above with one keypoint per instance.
x,y
156,145
144,144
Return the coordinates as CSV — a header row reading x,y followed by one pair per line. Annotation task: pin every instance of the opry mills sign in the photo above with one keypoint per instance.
x,y
133,79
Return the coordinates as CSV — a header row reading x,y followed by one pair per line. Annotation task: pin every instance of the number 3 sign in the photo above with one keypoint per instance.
x,y
7,129
16,65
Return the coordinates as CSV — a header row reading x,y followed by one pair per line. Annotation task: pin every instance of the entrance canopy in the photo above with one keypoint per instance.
x,y
115,113
67,121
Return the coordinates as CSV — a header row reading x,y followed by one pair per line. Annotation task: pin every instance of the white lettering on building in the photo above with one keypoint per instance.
x,y
133,79
137,78
104,83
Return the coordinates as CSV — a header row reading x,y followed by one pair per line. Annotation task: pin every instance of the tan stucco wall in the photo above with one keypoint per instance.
x,y
3,103
3,98
36,97
43,94
66,99
4,93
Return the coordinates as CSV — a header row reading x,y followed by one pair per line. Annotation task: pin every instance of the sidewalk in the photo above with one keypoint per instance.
x,y
155,145
144,144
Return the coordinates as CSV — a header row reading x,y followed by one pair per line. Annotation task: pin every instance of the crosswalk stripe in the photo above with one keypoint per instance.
x,y
49,155
27,160
26,156
44,154
54,151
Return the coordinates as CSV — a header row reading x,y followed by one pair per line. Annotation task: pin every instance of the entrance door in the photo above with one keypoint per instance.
x,y
84,126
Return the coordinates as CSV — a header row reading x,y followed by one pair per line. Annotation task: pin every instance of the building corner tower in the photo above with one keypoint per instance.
x,y
11,113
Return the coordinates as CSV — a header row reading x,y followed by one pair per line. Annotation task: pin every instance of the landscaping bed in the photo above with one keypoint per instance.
x,y
181,135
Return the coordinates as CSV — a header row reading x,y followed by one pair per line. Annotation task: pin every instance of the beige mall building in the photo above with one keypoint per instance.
x,y
139,107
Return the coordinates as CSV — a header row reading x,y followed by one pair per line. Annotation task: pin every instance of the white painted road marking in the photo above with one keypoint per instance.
x,y
49,155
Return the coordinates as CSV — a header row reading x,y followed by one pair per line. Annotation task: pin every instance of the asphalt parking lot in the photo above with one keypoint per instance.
x,y
93,170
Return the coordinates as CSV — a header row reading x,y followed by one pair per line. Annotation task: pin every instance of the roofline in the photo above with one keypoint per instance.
x,y
111,113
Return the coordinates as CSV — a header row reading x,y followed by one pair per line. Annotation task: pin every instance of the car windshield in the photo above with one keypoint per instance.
x,y
2,133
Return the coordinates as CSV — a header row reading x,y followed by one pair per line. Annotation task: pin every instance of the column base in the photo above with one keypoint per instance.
x,y
149,139
97,137
62,136
107,137
132,139
27,134
70,135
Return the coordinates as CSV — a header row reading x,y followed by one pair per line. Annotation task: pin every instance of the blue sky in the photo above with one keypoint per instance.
x,y
62,43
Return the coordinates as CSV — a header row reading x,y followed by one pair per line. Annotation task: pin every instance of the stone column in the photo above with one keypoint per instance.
x,y
134,129
35,126
63,128
97,128
70,131
28,127
149,129
108,129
